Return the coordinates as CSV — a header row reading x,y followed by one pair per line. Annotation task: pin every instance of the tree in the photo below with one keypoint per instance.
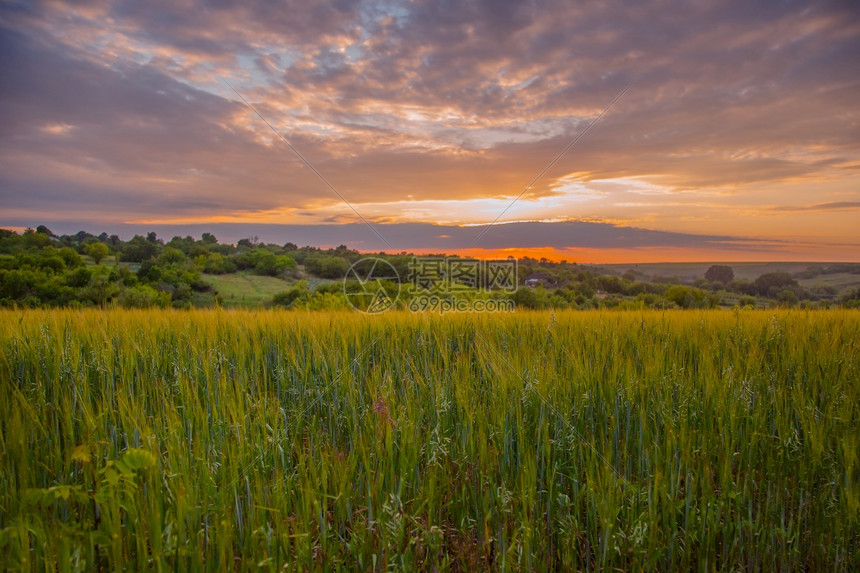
x,y
678,294
171,255
216,264
139,249
334,268
37,240
778,280
79,277
787,297
71,257
142,296
687,297
97,251
720,274
100,290
610,284
298,292
248,243
326,266
527,297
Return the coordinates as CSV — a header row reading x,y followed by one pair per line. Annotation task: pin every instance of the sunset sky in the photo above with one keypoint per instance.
x,y
738,139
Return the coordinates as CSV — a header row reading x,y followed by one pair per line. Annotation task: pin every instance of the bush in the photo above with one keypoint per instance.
x,y
47,259
747,300
528,297
98,251
171,255
216,264
327,266
267,263
79,277
142,297
71,257
327,301
687,297
138,249
299,292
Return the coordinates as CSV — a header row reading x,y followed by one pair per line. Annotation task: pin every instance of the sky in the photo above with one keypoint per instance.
x,y
585,131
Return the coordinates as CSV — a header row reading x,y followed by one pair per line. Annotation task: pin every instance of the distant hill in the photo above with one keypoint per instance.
x,y
691,272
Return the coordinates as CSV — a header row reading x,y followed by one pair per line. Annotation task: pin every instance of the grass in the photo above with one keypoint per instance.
x,y
213,440
245,289
843,282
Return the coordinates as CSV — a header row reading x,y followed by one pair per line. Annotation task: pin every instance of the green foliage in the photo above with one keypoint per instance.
x,y
143,296
98,251
267,263
689,297
100,289
79,277
852,299
18,283
326,301
47,263
635,441
747,300
35,240
138,250
531,298
298,293
171,255
216,264
787,297
111,493
71,257
776,281
610,284
326,266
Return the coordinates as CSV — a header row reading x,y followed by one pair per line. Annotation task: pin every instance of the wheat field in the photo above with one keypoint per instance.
x,y
263,440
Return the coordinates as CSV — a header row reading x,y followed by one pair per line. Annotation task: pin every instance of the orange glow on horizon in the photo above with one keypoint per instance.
x,y
791,253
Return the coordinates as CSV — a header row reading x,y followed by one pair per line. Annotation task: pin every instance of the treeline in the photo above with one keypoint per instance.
x,y
39,268
560,284
544,284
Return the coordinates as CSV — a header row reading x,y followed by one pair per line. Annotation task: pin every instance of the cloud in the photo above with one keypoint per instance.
x,y
116,107
444,238
834,206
